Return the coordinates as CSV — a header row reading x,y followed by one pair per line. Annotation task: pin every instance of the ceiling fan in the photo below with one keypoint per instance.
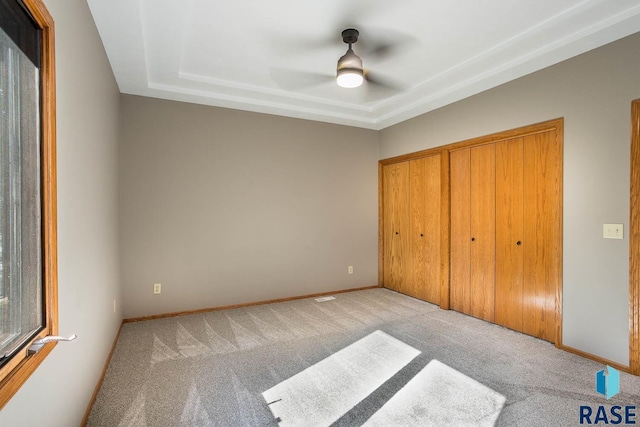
x,y
350,71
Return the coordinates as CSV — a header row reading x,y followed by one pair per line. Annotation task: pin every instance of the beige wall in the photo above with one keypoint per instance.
x,y
224,207
593,92
87,108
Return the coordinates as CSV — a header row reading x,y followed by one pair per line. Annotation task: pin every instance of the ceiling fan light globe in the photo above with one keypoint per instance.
x,y
349,73
349,78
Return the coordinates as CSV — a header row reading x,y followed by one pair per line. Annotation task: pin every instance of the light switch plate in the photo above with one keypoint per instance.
x,y
612,231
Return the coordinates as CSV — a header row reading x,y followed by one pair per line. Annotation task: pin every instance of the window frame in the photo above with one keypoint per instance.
x,y
20,367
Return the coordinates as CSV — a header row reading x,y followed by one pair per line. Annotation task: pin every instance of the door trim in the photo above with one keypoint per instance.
x,y
634,242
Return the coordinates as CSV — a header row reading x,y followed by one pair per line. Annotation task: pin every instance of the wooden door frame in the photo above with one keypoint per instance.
x,y
634,229
443,151
547,126
634,242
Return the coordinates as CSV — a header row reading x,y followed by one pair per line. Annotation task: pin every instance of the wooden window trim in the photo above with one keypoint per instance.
x,y
634,243
16,372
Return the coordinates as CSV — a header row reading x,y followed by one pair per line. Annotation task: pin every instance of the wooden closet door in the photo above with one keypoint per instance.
x,y
396,267
472,258
510,242
483,231
542,234
424,229
460,230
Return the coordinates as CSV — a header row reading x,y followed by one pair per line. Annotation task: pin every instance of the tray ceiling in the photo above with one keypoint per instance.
x,y
279,57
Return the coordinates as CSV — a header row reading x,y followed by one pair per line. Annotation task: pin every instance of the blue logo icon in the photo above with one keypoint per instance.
x,y
608,382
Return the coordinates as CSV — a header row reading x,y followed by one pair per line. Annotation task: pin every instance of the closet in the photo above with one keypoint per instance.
x,y
411,227
506,225
476,226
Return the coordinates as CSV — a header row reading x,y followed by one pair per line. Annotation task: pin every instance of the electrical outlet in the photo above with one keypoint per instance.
x,y
350,269
157,288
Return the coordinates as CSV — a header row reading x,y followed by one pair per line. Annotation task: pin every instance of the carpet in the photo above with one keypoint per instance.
x,y
324,392
211,369
440,396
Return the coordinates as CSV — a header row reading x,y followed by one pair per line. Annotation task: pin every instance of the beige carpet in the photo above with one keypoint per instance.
x,y
440,396
216,368
324,392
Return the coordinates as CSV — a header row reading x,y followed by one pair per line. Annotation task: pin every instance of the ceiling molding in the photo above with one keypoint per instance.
x,y
160,48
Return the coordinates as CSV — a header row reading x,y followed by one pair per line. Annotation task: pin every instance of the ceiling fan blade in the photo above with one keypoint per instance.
x,y
378,45
351,14
381,51
355,13
298,79
288,46
383,83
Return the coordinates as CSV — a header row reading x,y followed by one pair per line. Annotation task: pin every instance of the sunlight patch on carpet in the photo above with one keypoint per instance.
x,y
440,396
322,393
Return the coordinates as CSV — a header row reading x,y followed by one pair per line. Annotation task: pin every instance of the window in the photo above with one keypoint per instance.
x,y
28,253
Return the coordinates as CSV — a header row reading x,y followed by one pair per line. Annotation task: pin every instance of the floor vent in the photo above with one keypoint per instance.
x,y
323,299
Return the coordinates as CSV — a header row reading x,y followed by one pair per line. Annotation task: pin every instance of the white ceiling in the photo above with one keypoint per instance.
x,y
263,56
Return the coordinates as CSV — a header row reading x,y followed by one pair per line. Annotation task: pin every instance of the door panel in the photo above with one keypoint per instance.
x,y
542,219
460,229
510,242
425,228
396,224
483,220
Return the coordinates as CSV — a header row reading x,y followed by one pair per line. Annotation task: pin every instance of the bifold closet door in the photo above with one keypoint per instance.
x,y
543,219
460,229
509,233
396,268
528,238
424,226
472,277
